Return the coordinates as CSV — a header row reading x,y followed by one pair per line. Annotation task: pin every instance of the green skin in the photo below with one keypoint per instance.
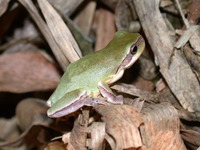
x,y
90,76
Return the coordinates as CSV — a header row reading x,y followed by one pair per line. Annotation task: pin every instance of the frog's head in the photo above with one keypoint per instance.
x,y
134,45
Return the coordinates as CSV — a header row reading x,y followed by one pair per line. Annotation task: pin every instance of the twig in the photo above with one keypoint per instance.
x,y
185,21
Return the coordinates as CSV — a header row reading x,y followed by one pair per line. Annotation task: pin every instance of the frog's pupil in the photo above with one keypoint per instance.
x,y
134,50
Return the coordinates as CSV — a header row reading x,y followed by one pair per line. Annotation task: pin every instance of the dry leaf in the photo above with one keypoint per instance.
x,y
84,19
61,57
10,130
186,36
160,130
98,134
191,138
122,124
193,12
27,71
193,60
105,26
66,7
3,6
35,109
55,146
175,70
144,84
61,33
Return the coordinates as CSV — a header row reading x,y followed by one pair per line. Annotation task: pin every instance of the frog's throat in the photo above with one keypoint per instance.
x,y
116,77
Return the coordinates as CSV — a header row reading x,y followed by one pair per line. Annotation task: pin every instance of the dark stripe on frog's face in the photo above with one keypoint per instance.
x,y
135,51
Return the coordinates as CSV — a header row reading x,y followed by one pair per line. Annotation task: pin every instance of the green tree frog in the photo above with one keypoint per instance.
x,y
90,76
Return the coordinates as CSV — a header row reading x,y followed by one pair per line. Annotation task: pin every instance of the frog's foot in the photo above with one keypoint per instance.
x,y
107,92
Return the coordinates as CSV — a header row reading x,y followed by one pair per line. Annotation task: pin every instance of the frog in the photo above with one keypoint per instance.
x,y
87,81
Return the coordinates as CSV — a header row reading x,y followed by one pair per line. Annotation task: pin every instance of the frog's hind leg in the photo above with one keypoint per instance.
x,y
69,103
107,92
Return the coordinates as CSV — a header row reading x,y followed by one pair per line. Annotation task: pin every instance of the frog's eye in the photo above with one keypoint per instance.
x,y
134,49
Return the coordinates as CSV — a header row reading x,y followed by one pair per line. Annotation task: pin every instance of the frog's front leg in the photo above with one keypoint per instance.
x,y
107,92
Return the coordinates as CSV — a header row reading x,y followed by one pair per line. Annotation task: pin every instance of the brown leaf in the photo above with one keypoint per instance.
x,y
124,14
177,74
105,28
32,119
3,6
193,12
79,132
98,134
35,136
144,84
191,138
11,131
122,123
55,146
84,19
161,128
27,71
35,109
60,31
192,59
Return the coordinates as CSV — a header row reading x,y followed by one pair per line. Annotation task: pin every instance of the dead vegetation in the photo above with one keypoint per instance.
x,y
38,39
